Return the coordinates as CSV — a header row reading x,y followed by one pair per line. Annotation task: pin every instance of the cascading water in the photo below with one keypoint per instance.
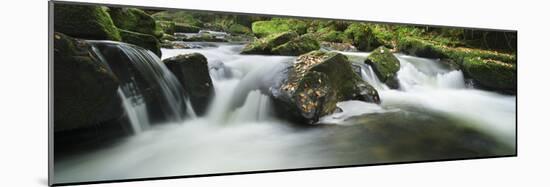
x,y
140,70
238,132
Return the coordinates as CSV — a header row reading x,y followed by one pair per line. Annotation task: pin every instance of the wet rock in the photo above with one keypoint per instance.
x,y
492,74
285,43
146,41
385,65
135,20
192,71
315,83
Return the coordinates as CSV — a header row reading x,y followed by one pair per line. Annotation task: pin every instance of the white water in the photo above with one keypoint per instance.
x,y
242,136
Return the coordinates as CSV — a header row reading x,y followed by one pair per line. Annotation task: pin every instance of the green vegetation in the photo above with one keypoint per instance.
x,y
492,74
278,25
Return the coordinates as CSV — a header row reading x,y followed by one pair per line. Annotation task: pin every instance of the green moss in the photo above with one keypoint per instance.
x,y
178,16
491,73
135,20
362,37
84,21
277,25
168,37
265,45
239,29
297,46
166,26
185,28
421,48
384,64
146,41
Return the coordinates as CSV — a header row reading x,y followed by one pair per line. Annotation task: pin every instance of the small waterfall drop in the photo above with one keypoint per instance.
x,y
149,91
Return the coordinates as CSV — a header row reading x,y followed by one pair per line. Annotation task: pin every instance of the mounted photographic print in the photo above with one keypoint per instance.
x,y
153,93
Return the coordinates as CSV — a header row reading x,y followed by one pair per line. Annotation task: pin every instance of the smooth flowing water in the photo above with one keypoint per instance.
x,y
430,117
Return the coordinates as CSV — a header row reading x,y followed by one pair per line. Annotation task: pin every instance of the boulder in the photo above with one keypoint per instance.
x,y
492,74
362,37
146,41
315,83
385,65
135,20
239,29
421,48
193,73
278,25
84,21
85,90
297,46
264,45
185,28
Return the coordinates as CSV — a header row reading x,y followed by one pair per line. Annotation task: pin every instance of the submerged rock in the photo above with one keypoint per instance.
x,y
146,41
315,83
84,21
85,90
135,20
385,65
192,71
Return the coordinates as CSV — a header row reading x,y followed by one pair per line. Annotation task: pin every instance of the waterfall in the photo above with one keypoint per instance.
x,y
149,91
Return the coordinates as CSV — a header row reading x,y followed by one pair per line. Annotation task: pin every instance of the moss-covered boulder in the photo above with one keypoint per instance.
x,y
167,37
239,29
146,41
385,65
85,21
278,25
185,28
297,46
421,48
492,74
315,83
192,71
135,20
85,91
362,37
264,45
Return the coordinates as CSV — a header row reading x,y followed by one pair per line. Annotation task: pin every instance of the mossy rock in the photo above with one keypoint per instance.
x,y
135,20
492,74
385,65
167,37
85,91
421,48
315,83
297,46
185,28
84,21
239,29
166,26
192,71
278,25
265,45
362,37
146,41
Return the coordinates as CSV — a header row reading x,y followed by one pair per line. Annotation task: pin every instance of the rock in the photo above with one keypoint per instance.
x,y
239,29
178,16
492,74
297,46
192,71
338,46
385,65
205,37
146,41
362,37
421,48
265,45
84,21
167,26
175,45
84,88
135,20
185,28
167,37
315,83
278,25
